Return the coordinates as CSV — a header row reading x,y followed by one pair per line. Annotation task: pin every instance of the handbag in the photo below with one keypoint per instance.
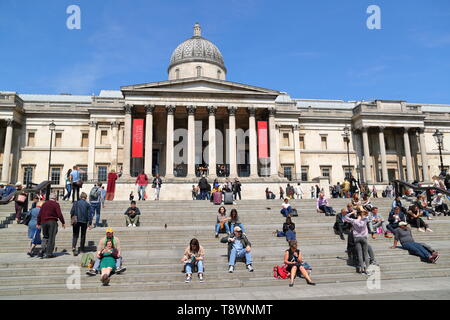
x,y
27,219
21,198
74,219
79,183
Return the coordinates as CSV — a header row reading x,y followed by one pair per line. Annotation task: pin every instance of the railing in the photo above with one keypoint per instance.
x,y
400,187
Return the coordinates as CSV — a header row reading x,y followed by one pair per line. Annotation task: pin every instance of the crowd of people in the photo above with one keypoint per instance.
x,y
205,191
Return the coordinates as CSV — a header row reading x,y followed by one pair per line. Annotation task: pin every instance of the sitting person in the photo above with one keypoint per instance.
x,y
322,205
439,205
222,221
398,203
366,204
395,217
193,258
269,194
288,230
102,245
341,226
403,234
234,221
294,261
108,258
286,208
413,218
238,247
421,202
356,203
377,221
132,215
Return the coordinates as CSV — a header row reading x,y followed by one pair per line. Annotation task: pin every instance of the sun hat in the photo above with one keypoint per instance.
x,y
402,224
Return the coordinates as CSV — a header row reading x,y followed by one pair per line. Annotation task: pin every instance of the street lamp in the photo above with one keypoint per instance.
x,y
347,140
52,127
439,138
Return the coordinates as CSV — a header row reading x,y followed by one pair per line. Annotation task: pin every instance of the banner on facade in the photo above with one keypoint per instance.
x,y
138,138
263,150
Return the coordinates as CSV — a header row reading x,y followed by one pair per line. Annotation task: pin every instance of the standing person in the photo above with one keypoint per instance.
x,y
142,182
20,202
338,190
374,192
111,186
95,197
193,258
281,193
48,218
131,196
33,232
294,261
81,219
103,191
156,184
313,192
132,215
68,185
237,189
75,178
360,239
203,185
317,191
238,247
346,188
353,186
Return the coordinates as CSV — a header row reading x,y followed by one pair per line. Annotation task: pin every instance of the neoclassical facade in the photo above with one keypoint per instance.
x,y
197,119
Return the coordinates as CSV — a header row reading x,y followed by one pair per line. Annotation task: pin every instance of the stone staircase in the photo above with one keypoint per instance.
x,y
152,253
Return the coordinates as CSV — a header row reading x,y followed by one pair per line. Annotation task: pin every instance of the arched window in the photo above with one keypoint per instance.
x,y
219,74
177,74
199,71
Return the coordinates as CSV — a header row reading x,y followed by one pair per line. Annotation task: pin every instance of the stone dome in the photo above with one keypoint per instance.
x,y
197,49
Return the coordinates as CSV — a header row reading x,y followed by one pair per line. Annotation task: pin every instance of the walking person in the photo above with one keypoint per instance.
x,y
75,178
95,201
103,198
193,259
237,189
142,182
156,184
20,202
360,239
47,219
81,219
313,192
34,234
281,193
203,185
68,185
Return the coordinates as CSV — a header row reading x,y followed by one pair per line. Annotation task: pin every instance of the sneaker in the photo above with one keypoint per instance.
x,y
436,258
231,269
200,277
129,225
342,237
75,252
420,230
91,272
388,235
429,230
217,235
188,279
250,268
374,263
374,236
134,225
291,285
121,270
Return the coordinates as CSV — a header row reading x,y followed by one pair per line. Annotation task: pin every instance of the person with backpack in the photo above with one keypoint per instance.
x,y
81,219
95,197
203,185
193,259
295,264
142,182
156,184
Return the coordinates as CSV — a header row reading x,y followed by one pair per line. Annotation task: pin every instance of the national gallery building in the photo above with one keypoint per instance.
x,y
197,122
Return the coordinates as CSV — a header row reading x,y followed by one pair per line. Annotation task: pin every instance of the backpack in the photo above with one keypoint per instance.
x,y
95,194
280,272
294,213
87,260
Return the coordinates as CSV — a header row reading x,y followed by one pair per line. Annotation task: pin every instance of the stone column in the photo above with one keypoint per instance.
x,y
409,167
253,144
114,144
273,143
191,142
148,139
367,162
232,141
7,151
169,141
127,142
212,141
297,155
384,171
91,152
423,153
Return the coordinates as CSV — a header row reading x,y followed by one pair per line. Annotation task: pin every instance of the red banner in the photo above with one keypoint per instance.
x,y
138,138
263,150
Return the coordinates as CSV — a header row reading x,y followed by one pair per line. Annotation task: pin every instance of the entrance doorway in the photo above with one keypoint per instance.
x,y
391,174
155,161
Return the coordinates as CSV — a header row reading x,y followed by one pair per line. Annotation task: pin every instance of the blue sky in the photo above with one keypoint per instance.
x,y
311,49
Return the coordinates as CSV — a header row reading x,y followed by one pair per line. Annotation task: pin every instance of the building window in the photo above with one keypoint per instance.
x,y
58,138
305,173
348,171
326,172
177,74
219,74
199,71
55,176
324,142
84,140
83,173
102,173
288,173
1,168
103,137
30,141
302,142
389,142
285,139
27,175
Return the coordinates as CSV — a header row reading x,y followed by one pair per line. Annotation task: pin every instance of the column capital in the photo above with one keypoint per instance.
x,y
364,129
381,128
406,130
296,127
272,111
128,108
420,130
115,124
93,124
191,109
9,122
149,108
251,111
232,110
212,110
170,109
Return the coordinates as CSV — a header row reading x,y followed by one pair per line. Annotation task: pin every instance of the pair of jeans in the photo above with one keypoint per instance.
x,y
238,193
49,231
202,194
374,226
286,211
75,191
328,210
417,249
95,211
141,192
227,228
76,233
190,266
239,254
69,191
240,225
361,247
156,194
97,263
392,226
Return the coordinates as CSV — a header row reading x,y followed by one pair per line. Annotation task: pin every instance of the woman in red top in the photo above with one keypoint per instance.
x,y
111,187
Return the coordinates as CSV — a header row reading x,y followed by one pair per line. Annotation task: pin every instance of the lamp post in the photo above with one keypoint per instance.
x,y
347,140
52,127
439,138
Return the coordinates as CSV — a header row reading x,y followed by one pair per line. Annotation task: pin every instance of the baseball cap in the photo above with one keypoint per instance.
x,y
238,229
109,230
402,224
